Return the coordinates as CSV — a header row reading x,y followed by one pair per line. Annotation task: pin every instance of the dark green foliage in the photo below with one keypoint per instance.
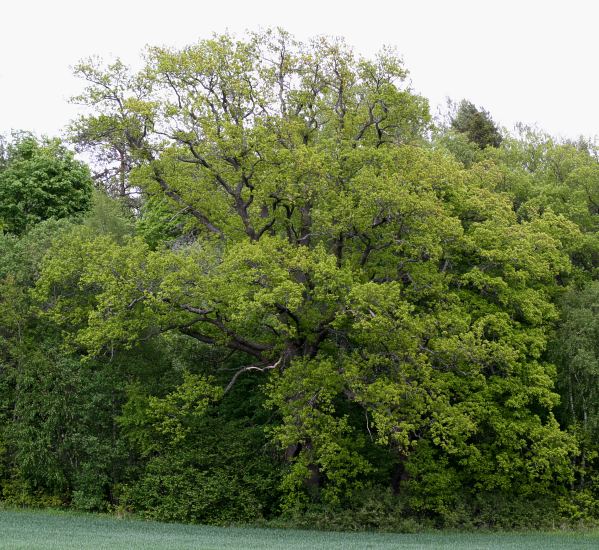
x,y
40,180
213,467
58,435
477,125
575,350
225,475
62,436
378,509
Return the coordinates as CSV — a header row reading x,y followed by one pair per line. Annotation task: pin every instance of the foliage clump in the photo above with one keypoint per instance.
x,y
40,180
476,124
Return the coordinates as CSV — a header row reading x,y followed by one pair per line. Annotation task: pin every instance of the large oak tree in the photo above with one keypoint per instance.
x,y
387,295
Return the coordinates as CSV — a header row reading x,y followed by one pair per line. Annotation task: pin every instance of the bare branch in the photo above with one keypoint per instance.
x,y
256,366
196,310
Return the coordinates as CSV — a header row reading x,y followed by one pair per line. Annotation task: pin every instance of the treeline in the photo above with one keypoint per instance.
x,y
285,294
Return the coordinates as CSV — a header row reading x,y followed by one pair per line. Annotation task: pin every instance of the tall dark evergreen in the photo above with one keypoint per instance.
x,y
476,124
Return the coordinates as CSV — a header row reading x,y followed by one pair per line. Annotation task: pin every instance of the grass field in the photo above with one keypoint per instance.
x,y
51,530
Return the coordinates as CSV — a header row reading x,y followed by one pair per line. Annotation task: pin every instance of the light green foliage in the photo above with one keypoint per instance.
x,y
107,133
107,217
171,415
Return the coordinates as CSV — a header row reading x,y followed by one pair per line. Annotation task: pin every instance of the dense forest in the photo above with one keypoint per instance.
x,y
282,292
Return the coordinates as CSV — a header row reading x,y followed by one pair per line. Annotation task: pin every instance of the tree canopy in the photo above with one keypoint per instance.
x,y
40,180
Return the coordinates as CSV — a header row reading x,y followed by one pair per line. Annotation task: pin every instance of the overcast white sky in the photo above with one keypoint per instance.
x,y
533,61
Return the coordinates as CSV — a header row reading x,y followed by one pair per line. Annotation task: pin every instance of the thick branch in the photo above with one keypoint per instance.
x,y
193,211
256,366
196,310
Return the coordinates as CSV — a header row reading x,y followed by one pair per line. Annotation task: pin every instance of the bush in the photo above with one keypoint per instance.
x,y
221,475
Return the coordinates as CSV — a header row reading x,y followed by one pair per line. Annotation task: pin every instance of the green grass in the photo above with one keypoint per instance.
x,y
51,530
